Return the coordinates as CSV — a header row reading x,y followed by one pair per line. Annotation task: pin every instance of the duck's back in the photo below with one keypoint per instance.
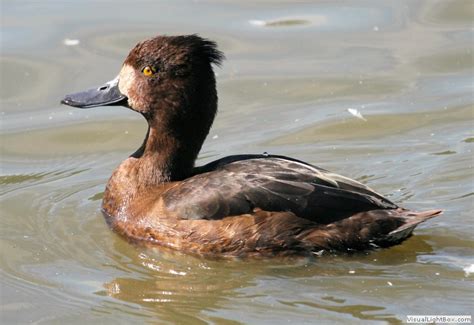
x,y
238,184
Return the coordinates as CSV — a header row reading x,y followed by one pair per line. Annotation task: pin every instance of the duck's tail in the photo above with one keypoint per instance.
x,y
412,219
366,230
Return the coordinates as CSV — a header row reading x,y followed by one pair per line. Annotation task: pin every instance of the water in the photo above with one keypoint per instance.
x,y
291,74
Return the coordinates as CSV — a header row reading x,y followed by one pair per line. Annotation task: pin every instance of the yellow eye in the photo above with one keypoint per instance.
x,y
148,71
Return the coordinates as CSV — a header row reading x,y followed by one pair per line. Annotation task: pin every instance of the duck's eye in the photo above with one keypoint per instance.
x,y
148,71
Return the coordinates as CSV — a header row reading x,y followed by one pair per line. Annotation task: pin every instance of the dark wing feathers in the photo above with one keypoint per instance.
x,y
238,184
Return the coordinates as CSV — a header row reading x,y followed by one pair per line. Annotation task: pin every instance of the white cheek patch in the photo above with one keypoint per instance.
x,y
126,79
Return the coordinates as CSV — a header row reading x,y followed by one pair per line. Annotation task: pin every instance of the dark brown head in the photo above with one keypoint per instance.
x,y
170,81
168,70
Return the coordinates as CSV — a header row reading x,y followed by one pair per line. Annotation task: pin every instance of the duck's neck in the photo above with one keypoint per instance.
x,y
173,142
163,158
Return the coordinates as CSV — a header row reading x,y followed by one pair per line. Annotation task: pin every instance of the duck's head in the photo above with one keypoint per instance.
x,y
166,78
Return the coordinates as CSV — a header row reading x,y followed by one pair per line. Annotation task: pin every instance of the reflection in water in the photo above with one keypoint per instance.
x,y
175,287
175,291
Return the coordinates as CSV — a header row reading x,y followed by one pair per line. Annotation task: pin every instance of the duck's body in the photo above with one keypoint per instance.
x,y
244,205
255,205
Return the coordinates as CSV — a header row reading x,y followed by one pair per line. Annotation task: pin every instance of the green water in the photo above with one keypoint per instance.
x,y
292,72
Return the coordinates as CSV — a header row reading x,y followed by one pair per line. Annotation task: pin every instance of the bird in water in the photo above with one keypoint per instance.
x,y
242,205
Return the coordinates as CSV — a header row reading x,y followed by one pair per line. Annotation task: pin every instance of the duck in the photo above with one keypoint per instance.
x,y
243,205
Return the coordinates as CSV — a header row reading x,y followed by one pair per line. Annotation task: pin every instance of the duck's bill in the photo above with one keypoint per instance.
x,y
108,94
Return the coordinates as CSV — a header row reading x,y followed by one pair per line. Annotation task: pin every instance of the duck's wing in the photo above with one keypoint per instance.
x,y
237,185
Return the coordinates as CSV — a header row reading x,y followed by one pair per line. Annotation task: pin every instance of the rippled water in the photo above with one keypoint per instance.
x,y
291,74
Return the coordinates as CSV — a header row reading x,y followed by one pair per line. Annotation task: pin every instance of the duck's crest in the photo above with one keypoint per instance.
x,y
200,47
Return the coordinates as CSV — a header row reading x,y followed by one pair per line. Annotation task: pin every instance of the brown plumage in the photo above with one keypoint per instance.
x,y
246,205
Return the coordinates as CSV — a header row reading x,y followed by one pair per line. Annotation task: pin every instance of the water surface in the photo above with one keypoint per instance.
x,y
291,74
